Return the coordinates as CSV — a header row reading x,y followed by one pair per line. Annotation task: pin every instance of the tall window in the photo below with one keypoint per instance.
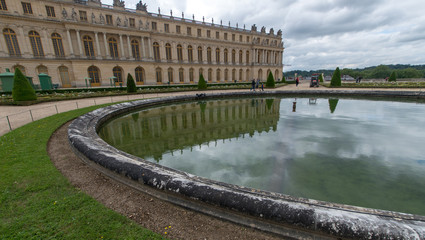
x,y
209,75
154,26
178,29
218,75
168,52
217,35
140,75
181,75
208,33
247,57
117,71
64,76
35,40
166,27
190,53
201,72
226,53
200,54
27,7
158,75
240,56
132,22
189,31
209,57
199,32
156,52
233,74
3,5
50,11
247,75
217,55
94,75
135,50
11,42
83,16
109,19
226,75
191,75
240,74
179,52
88,46
113,47
57,45
233,56
170,75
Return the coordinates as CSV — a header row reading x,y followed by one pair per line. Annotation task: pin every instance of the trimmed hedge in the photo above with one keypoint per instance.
x,y
22,90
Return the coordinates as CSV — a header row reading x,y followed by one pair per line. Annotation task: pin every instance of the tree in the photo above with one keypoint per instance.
x,y
381,71
336,78
392,77
320,78
270,81
22,90
131,85
202,84
283,79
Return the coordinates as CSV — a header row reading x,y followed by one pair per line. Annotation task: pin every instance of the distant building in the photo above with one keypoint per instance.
x,y
75,41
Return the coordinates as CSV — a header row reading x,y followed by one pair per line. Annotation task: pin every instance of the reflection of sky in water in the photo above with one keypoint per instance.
x,y
367,153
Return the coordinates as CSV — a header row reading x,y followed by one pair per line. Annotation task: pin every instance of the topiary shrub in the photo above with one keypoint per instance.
x,y
270,81
320,78
202,84
131,85
22,90
336,78
393,77
283,79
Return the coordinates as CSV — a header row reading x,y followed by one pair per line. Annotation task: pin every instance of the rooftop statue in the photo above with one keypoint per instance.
x,y
279,33
119,3
142,7
254,28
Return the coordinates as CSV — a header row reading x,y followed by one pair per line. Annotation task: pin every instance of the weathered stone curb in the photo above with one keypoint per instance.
x,y
334,220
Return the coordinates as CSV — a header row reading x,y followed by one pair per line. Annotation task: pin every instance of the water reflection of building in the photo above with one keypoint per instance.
x,y
155,131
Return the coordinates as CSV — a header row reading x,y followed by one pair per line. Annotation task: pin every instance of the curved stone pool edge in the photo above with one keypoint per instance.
x,y
333,220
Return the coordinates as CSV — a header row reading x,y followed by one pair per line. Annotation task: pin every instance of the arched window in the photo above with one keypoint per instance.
x,y
217,55
159,75
139,72
35,41
179,53
247,57
118,74
181,75
240,74
58,45
64,76
268,73
94,75
168,52
233,75
156,53
200,54
113,48
210,75
276,75
209,57
233,56
12,42
191,75
240,56
42,69
226,58
135,49
170,75
226,75
218,75
190,53
247,75
260,74
88,46
22,68
201,72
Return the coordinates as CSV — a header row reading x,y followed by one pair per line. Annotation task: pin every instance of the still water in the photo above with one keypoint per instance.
x,y
358,152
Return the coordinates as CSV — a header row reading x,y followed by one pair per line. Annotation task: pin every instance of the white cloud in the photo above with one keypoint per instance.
x,y
321,34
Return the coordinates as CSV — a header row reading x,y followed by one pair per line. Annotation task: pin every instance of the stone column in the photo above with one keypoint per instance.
x,y
143,55
98,55
122,48
174,57
24,40
150,48
71,49
130,56
79,43
108,56
48,47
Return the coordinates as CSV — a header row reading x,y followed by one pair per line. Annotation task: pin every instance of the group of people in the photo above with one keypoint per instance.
x,y
256,84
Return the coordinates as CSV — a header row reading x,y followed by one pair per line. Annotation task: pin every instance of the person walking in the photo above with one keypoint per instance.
x,y
253,84
297,81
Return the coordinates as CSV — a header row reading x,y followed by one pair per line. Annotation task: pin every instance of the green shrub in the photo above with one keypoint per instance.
x,y
202,84
283,79
393,77
270,81
22,90
131,85
320,78
336,78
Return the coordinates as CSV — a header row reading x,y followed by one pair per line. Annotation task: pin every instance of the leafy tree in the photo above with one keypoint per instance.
x,y
392,77
131,85
22,90
270,81
381,71
202,84
336,78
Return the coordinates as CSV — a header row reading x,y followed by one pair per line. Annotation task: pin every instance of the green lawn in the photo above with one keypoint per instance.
x,y
37,202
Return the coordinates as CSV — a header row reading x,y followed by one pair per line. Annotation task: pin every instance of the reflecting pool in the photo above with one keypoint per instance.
x,y
358,152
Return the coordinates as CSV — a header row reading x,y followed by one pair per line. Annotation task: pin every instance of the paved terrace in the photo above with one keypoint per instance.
x,y
12,117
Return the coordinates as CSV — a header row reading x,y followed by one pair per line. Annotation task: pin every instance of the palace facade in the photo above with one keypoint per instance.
x,y
84,42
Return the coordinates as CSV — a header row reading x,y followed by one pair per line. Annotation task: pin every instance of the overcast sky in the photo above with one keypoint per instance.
x,y
321,34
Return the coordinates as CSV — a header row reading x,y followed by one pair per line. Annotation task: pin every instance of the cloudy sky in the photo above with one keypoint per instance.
x,y
321,34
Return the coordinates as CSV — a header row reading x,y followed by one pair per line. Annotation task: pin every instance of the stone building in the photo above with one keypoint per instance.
x,y
84,42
